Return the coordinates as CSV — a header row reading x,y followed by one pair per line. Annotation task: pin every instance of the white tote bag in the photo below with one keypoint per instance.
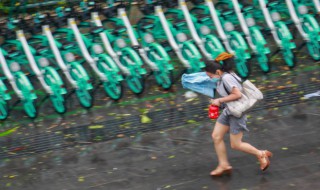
x,y
250,96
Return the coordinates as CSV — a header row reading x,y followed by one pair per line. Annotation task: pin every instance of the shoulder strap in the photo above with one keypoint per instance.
x,y
225,87
240,82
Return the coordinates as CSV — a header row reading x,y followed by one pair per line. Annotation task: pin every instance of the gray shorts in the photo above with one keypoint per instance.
x,y
237,125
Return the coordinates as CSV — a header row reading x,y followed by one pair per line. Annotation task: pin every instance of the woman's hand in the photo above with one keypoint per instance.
x,y
215,102
235,94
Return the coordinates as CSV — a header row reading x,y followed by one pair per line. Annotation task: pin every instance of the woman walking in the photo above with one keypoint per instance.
x,y
229,88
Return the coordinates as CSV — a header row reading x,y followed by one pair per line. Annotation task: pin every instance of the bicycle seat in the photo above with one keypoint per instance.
x,y
13,53
119,29
147,25
67,45
84,25
272,3
203,17
96,30
40,48
227,12
246,8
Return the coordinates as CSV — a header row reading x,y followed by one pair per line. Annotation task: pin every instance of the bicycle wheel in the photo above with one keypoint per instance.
x,y
135,83
263,62
113,86
289,57
113,89
54,81
30,108
164,79
313,48
81,77
26,88
84,97
4,109
58,102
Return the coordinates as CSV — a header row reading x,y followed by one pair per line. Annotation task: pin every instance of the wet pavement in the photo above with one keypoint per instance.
x,y
181,158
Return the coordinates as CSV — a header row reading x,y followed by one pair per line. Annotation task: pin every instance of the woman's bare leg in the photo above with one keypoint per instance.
x,y
236,143
219,145
262,155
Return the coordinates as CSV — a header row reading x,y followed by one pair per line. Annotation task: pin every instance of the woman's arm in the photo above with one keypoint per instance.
x,y
234,95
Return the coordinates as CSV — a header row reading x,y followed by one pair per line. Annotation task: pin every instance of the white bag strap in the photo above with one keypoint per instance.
x,y
239,81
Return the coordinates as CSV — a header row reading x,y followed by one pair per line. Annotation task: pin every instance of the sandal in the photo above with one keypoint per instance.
x,y
219,171
264,159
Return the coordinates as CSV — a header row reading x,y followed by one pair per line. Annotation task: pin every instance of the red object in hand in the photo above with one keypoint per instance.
x,y
213,112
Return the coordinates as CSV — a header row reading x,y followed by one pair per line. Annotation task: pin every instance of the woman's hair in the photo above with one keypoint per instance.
x,y
224,62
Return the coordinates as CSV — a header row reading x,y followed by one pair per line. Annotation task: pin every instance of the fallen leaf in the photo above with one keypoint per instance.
x,y
145,119
96,126
191,121
189,100
281,87
98,118
8,132
120,135
81,179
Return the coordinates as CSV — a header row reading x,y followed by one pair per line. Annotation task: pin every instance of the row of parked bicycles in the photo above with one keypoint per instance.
x,y
100,37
